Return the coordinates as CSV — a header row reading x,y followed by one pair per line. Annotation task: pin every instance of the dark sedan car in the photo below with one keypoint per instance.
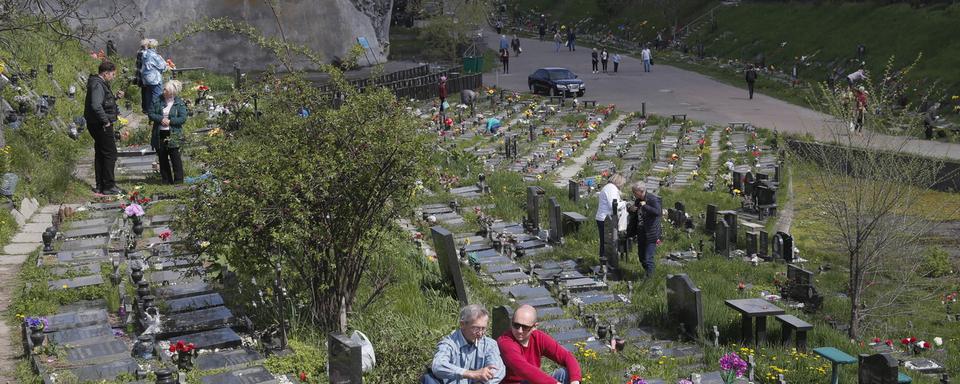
x,y
555,81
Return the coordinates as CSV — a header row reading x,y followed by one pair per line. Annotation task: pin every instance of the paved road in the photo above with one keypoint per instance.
x,y
669,90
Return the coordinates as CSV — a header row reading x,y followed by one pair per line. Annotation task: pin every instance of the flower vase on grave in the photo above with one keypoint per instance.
x,y
602,331
36,336
165,376
137,225
619,344
136,275
143,348
184,361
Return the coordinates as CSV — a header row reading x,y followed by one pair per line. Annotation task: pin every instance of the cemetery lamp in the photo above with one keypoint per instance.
x,y
50,68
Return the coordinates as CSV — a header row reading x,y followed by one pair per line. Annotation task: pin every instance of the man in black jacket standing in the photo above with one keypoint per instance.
x,y
751,77
645,225
100,111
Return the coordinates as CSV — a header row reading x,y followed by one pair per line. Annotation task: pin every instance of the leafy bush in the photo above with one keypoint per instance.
x,y
936,263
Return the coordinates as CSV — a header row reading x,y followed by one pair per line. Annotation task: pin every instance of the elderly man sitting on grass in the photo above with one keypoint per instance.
x,y
467,355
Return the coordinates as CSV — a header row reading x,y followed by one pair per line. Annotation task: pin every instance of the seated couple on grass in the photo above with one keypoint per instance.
x,y
469,356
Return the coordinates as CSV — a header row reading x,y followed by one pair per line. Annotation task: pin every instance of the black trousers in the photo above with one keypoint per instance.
x,y
169,157
616,66
594,62
604,64
750,88
104,157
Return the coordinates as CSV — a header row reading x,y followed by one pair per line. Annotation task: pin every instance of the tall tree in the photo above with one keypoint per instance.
x,y
868,189
312,194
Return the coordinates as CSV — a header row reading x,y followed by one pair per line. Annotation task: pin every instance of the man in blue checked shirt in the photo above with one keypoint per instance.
x,y
467,355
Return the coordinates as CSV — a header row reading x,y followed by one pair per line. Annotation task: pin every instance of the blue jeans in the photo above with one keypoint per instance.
x,y
646,65
560,374
646,250
571,45
149,94
558,47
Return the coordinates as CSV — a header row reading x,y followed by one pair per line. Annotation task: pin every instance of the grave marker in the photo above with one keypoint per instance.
x,y
730,217
879,368
710,224
556,221
721,239
502,317
573,191
783,247
449,262
752,244
610,251
684,304
533,207
764,249
345,361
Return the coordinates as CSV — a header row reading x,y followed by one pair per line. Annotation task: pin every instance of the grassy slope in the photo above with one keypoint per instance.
x,y
835,30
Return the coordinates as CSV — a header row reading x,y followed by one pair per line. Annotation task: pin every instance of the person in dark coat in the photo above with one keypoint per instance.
x,y
442,91
644,223
751,77
505,59
100,111
594,60
168,114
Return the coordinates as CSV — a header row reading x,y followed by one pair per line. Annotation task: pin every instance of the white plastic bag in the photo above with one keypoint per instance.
x,y
366,350
622,215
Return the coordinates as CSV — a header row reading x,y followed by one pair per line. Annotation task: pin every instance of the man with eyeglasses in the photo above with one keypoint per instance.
x,y
467,355
523,347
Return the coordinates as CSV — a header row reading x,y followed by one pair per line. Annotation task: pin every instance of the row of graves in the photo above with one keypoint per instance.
x,y
161,316
28,101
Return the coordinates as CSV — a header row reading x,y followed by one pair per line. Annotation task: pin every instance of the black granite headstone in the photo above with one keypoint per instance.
x,y
879,368
721,239
783,247
345,361
609,240
502,317
730,217
710,224
684,304
556,221
449,262
533,206
573,190
752,244
764,248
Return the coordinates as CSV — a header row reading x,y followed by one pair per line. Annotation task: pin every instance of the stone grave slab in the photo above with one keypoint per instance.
x,y
82,244
564,265
598,298
590,344
108,350
175,276
550,312
76,335
501,268
90,268
192,303
559,325
583,284
226,359
252,375
565,274
81,255
539,302
76,282
635,334
76,319
480,254
495,260
177,291
161,220
573,335
219,338
106,371
201,319
476,247
93,231
175,262
101,222
525,291
509,277
924,366
113,205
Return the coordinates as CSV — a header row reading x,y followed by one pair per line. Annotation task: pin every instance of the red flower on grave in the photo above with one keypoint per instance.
x,y
741,286
888,342
303,376
876,339
756,153
924,345
123,206
165,235
173,348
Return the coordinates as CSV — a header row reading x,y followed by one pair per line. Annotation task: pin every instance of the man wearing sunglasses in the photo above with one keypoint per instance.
x,y
523,347
467,355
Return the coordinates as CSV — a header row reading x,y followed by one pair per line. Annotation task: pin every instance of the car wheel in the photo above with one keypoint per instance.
x,y
556,92
580,94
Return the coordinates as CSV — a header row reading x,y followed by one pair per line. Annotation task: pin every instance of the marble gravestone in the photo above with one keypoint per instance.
x,y
449,262
502,317
880,368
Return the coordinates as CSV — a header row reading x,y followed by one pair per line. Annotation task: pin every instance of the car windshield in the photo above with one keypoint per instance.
x,y
560,74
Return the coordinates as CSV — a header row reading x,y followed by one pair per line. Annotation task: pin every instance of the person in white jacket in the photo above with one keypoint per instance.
x,y
608,194
647,58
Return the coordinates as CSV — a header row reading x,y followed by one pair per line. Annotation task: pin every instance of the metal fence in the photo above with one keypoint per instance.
x,y
421,87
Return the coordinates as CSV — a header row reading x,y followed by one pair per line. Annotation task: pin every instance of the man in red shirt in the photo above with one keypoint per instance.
x,y
523,346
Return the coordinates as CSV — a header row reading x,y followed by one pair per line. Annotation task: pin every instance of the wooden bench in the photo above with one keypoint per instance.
x,y
556,100
836,358
680,117
591,103
742,124
790,324
572,221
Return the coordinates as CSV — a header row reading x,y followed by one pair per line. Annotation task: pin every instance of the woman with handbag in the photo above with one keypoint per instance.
x,y
168,114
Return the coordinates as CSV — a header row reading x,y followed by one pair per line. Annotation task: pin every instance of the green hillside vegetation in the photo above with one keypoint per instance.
x,y
786,31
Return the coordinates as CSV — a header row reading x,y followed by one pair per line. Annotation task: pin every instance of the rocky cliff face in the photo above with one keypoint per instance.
x,y
330,27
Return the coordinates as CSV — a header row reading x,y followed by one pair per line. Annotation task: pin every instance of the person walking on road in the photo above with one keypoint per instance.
x,y
647,58
751,77
505,59
515,44
604,59
571,40
558,39
594,60
616,62
504,43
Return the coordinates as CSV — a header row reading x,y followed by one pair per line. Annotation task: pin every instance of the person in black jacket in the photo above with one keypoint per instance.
x,y
644,223
751,77
100,111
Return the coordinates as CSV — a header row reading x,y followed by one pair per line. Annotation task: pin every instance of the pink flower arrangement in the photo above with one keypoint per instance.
x,y
732,366
133,210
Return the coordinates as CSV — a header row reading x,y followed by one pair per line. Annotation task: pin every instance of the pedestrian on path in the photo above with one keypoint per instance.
x,y
515,44
594,59
505,59
604,58
659,41
647,58
616,62
499,26
542,30
442,93
644,223
751,77
558,39
168,114
504,43
100,110
571,40
861,108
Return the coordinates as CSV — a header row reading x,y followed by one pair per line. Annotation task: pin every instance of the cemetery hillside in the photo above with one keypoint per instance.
x,y
451,192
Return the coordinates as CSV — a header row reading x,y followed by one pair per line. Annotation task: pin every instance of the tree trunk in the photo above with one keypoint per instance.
x,y
855,291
